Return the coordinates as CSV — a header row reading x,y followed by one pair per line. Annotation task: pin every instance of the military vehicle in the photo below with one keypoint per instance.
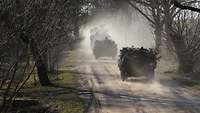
x,y
97,34
105,48
102,44
137,62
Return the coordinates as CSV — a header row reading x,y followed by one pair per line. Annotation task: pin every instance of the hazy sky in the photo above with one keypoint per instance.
x,y
137,33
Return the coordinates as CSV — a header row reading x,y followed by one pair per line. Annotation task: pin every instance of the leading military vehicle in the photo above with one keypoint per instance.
x,y
102,45
137,62
105,48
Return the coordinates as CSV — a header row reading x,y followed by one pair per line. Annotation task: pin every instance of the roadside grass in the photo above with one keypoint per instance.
x,y
58,78
187,81
57,97
66,79
169,69
196,87
67,103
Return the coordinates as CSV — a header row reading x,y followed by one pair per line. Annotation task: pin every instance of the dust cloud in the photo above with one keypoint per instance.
x,y
137,33
134,33
139,85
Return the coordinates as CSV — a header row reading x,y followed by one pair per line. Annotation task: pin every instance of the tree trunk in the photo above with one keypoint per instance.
x,y
186,63
158,36
42,72
185,59
41,66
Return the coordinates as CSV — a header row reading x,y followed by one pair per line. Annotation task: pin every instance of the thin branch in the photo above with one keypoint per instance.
x,y
142,13
183,7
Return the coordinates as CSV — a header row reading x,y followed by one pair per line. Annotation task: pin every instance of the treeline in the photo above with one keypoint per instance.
x,y
33,33
32,29
176,29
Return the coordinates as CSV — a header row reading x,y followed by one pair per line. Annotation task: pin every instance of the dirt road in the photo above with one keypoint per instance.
x,y
136,95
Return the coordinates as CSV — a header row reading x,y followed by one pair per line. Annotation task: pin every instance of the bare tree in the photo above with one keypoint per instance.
x,y
163,16
184,7
28,30
41,25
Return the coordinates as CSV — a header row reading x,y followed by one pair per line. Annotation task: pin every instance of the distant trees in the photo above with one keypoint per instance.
x,y
187,26
151,11
165,19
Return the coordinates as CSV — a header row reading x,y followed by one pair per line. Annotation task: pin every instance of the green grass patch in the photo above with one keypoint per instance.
x,y
68,103
65,78
196,87
56,97
32,82
187,82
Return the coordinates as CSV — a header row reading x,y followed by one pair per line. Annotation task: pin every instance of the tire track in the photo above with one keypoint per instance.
x,y
113,96
141,103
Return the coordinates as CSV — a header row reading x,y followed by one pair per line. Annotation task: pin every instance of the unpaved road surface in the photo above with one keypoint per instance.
x,y
135,95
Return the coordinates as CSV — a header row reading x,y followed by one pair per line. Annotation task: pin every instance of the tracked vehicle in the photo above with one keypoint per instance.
x,y
137,62
105,48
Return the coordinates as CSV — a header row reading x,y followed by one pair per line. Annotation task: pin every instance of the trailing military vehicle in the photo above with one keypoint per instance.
x,y
137,62
105,48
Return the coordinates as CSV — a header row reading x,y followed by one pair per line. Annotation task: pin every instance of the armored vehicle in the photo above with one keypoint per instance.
x,y
105,48
137,62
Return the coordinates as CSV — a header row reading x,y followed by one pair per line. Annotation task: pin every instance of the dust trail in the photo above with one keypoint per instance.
x,y
135,95
141,87
137,33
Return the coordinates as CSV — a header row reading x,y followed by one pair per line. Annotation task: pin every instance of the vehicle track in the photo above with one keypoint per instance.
x,y
134,96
